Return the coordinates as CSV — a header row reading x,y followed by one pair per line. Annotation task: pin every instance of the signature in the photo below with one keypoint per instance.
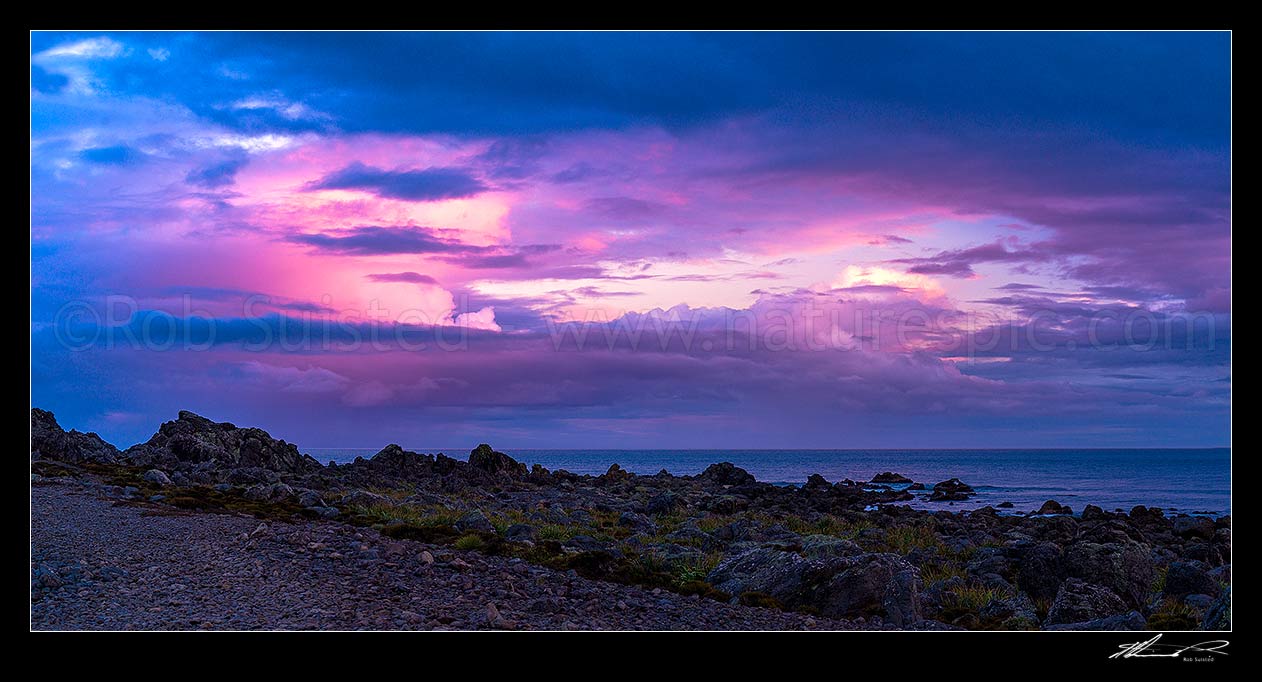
x,y
1152,649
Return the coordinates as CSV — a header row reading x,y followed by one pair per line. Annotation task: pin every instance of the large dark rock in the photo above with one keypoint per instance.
x,y
49,440
1125,568
838,587
1218,615
726,473
486,459
769,571
662,503
1052,508
872,584
1079,601
195,441
952,490
1188,577
1193,527
817,484
1040,570
890,477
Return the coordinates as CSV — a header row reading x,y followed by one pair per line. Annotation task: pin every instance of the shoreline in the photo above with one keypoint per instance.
x,y
848,553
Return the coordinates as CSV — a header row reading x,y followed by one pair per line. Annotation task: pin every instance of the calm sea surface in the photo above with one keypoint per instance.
x,y
1176,480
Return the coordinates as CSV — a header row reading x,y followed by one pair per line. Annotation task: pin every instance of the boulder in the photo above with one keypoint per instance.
x,y
816,484
1193,527
324,512
474,521
951,490
662,503
1093,513
310,498
1125,568
49,440
890,477
586,543
1079,601
486,459
637,522
726,473
883,584
157,477
269,492
772,572
1040,570
614,474
1188,577
521,532
1053,508
1218,615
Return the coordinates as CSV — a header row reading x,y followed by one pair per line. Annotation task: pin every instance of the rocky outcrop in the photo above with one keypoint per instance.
x,y
726,473
484,458
193,442
952,490
49,440
890,477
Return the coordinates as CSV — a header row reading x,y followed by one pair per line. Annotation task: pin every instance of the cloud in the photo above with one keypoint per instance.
x,y
412,277
378,240
117,155
960,262
92,48
215,175
430,184
368,394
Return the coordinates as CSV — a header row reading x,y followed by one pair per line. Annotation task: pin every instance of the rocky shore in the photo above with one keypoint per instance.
x,y
208,525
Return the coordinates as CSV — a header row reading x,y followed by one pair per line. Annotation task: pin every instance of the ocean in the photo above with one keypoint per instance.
x,y
1194,481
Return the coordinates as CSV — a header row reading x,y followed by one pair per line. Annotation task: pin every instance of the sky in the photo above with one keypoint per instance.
x,y
636,240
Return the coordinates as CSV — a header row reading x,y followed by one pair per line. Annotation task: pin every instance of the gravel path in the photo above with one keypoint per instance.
x,y
98,565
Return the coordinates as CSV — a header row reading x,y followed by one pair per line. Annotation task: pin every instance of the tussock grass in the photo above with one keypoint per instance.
x,y
1173,614
938,573
904,539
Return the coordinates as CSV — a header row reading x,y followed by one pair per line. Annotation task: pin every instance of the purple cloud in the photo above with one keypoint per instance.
x,y
429,184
